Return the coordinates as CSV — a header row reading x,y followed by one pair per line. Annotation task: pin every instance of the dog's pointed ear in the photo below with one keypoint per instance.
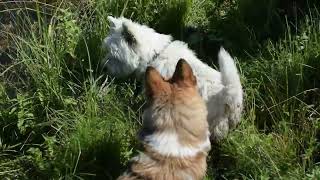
x,y
113,22
128,35
153,82
183,74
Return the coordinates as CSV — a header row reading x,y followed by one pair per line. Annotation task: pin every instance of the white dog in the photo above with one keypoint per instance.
x,y
132,47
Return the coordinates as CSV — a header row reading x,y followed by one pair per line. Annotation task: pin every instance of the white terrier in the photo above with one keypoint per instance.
x,y
132,47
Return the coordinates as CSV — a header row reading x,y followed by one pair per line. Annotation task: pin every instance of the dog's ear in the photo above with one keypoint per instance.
x,y
128,35
183,74
113,22
153,81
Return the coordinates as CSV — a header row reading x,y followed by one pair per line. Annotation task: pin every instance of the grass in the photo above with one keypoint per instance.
x,y
61,117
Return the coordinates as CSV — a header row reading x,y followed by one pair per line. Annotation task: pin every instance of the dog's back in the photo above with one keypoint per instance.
x,y
157,167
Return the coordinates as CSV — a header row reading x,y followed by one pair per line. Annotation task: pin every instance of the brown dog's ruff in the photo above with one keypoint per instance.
x,y
175,130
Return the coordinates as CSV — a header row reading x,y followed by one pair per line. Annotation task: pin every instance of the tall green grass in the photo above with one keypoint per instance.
x,y
62,118
279,136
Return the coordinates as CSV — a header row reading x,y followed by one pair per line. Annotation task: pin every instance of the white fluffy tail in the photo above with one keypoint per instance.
x,y
232,95
228,69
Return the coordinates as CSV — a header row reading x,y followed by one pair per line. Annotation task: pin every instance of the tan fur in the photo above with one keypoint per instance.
x,y
157,167
175,107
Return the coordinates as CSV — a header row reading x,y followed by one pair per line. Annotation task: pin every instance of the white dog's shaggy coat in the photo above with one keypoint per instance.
x,y
132,47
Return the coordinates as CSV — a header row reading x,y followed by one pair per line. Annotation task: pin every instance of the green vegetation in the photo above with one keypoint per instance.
x,y
61,117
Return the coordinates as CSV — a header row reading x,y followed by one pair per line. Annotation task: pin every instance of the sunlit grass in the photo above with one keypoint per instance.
x,y
62,118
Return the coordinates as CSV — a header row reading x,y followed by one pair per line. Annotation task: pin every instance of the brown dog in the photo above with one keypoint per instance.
x,y
175,131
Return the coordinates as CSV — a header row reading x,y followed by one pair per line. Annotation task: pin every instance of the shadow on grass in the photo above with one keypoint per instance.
x,y
102,161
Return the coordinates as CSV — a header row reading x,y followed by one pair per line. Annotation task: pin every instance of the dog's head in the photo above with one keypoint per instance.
x,y
130,46
174,106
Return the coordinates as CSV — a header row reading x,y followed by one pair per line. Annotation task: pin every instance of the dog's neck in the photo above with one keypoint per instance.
x,y
155,46
158,52
167,144
158,44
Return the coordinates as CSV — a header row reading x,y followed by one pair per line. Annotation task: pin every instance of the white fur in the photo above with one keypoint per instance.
x,y
224,108
167,144
222,91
